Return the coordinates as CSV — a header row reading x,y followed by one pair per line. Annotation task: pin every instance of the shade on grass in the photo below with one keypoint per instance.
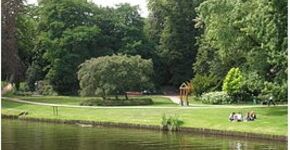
x,y
272,120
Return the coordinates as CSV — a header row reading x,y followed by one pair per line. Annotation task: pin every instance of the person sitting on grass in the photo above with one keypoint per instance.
x,y
253,115
232,116
248,117
239,117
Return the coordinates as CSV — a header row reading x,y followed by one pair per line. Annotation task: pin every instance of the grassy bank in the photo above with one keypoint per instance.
x,y
75,100
272,120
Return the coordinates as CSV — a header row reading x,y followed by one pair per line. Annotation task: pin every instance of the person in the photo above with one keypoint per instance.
x,y
249,116
253,115
271,101
239,117
232,116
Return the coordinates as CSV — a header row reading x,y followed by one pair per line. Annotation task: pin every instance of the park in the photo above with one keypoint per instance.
x,y
79,75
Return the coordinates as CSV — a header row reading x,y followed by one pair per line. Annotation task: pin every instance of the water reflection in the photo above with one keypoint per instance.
x,y
24,135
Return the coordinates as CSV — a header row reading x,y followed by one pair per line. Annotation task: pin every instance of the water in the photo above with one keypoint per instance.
x,y
25,135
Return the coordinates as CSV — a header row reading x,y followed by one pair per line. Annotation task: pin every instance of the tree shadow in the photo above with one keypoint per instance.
x,y
6,104
277,111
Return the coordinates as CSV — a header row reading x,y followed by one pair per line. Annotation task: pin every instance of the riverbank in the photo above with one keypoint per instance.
x,y
271,122
188,130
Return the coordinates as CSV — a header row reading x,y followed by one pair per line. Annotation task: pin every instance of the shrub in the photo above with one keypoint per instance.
x,y
114,75
23,87
8,90
203,83
278,92
172,123
3,84
216,98
33,74
44,88
233,82
114,102
253,83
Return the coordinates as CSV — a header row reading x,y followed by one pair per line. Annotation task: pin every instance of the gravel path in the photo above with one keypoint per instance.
x,y
173,98
176,100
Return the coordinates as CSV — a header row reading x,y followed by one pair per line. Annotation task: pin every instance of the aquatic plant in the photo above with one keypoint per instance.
x,y
171,123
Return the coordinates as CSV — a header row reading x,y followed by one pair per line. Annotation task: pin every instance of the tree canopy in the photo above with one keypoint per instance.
x,y
114,75
199,40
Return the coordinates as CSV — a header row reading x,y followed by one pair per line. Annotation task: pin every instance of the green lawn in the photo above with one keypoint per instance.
x,y
75,100
271,120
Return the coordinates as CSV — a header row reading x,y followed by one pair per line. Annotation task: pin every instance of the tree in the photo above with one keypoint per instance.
x,y
251,36
26,24
172,27
68,36
12,66
114,75
233,82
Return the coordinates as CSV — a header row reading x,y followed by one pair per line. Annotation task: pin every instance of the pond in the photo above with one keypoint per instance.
x,y
25,135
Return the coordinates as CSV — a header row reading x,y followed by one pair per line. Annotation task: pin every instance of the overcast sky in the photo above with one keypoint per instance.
x,y
141,3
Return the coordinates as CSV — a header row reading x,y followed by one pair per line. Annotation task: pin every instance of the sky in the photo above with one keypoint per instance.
x,y
142,4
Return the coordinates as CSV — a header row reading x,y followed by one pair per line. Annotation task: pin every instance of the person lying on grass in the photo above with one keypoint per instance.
x,y
251,116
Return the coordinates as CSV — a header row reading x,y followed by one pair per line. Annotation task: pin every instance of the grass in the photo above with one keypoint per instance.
x,y
75,100
271,120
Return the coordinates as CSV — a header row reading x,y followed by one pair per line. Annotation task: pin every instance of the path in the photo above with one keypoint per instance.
x,y
176,100
130,107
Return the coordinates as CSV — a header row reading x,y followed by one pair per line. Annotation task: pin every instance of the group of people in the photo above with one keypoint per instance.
x,y
251,116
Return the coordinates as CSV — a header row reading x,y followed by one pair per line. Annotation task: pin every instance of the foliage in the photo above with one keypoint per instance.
x,y
114,102
11,65
216,98
251,36
203,83
23,87
26,27
252,86
233,82
114,75
44,88
173,31
172,123
277,91
33,73
69,32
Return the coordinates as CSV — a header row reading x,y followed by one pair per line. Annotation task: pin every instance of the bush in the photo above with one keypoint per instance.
x,y
114,75
3,84
278,92
203,83
233,83
8,90
216,98
172,123
23,87
253,83
44,88
20,93
33,74
114,102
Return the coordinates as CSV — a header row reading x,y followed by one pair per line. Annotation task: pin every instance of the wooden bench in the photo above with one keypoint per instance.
x,y
133,93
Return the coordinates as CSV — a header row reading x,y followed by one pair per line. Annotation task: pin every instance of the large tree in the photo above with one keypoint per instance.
x,y
114,75
172,29
68,36
252,36
12,66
